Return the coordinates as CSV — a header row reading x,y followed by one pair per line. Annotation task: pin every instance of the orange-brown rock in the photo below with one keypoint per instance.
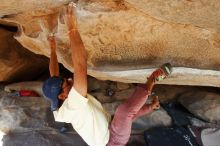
x,y
125,39
17,63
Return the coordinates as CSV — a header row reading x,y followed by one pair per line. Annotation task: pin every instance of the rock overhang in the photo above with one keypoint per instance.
x,y
126,39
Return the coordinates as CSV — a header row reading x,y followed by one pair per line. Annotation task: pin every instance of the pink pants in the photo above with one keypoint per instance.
x,y
132,108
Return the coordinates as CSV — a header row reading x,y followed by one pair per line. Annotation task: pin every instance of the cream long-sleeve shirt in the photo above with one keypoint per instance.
x,y
87,117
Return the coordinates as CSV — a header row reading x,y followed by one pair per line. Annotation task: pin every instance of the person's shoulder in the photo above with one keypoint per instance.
x,y
74,92
75,100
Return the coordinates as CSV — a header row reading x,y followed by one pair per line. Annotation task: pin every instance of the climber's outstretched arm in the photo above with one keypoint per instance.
x,y
53,67
79,55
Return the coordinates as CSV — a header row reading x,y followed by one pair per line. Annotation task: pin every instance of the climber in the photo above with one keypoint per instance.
x,y
83,111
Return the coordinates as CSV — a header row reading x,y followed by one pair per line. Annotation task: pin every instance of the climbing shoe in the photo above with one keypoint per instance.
x,y
161,73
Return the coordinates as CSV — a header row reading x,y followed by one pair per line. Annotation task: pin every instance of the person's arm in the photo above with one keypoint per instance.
x,y
79,56
53,66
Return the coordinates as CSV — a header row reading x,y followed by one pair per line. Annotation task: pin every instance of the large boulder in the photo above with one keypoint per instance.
x,y
17,63
28,120
19,114
33,86
126,39
203,104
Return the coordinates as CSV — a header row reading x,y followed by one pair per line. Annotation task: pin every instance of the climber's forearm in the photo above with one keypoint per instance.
x,y
53,66
79,58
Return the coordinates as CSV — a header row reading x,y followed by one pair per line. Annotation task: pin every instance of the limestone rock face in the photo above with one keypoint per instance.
x,y
16,62
125,39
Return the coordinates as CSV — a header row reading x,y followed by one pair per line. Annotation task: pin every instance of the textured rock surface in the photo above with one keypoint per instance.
x,y
203,104
22,114
123,38
28,121
43,138
16,62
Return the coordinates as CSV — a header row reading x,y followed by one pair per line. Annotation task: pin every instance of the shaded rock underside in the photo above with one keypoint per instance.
x,y
125,38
